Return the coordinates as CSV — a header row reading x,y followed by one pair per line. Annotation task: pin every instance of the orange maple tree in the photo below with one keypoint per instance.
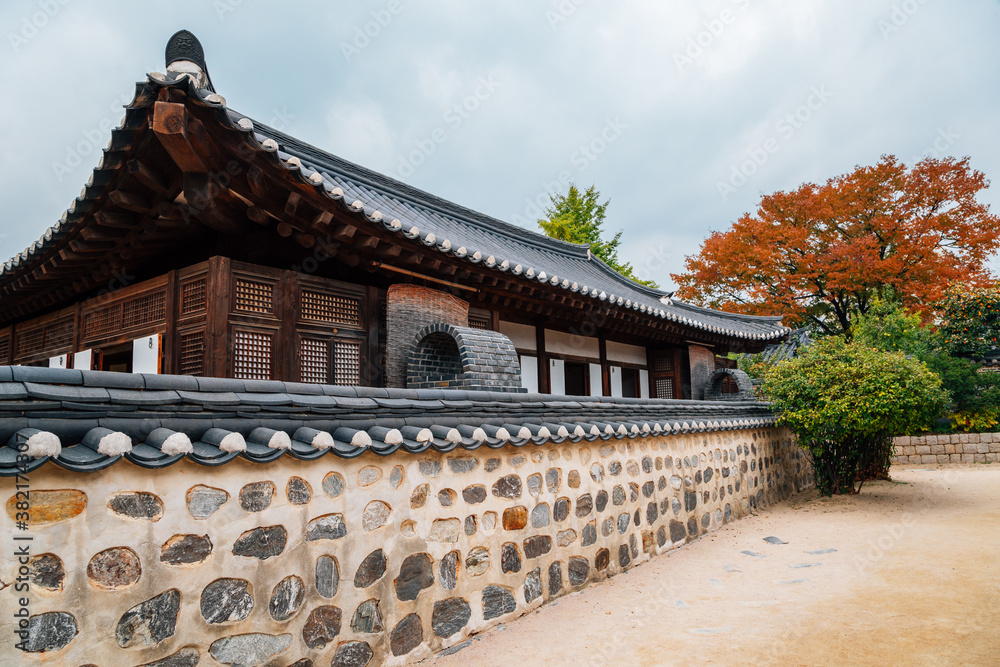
x,y
819,254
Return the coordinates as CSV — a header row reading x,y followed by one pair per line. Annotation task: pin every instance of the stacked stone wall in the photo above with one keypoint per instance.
x,y
367,561
948,448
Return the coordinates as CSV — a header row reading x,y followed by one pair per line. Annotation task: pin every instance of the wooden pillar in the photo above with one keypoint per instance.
x,y
286,363
371,374
602,346
543,360
217,348
171,307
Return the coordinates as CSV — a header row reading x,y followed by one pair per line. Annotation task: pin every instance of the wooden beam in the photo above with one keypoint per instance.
x,y
292,205
146,176
170,124
258,215
257,182
129,201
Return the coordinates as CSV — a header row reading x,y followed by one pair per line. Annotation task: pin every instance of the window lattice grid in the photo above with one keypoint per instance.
x,y
59,335
142,310
663,363
314,361
665,388
102,322
192,353
31,341
480,322
5,350
331,308
254,297
193,296
252,356
347,363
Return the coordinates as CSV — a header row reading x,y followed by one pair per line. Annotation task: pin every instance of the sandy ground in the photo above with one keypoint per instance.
x,y
907,573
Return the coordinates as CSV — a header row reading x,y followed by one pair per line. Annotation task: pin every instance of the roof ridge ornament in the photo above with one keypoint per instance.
x,y
185,55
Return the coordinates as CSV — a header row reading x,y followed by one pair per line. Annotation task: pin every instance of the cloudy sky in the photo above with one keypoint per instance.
x,y
668,107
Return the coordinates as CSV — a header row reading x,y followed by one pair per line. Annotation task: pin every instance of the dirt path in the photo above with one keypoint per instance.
x,y
906,573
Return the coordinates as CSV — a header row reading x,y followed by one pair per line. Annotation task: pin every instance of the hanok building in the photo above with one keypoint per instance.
x,y
260,301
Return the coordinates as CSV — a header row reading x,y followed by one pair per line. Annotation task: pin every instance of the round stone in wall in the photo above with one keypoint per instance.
x,y
597,472
186,657
601,502
139,505
632,467
507,487
579,570
510,558
533,585
419,496
618,495
429,467
463,464
537,546
515,518
415,574
478,561
471,525
396,479
226,600
447,497
450,616
352,654
516,461
150,622
51,631
376,515
535,484
372,569
573,479
204,501
118,567
326,527
369,475
257,496
185,549
327,576
298,491
262,543
602,559
322,626
566,537
553,477
615,468
589,534
492,464
555,578
254,648
448,570
489,521
497,601
46,571
333,484
540,516
407,635
584,505
367,618
474,494
49,505
445,530
561,510
287,598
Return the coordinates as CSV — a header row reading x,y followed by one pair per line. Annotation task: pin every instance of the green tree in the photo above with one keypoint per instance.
x,y
578,217
846,401
888,327
970,320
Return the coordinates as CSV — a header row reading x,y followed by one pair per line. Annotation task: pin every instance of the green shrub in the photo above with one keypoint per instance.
x,y
846,401
970,321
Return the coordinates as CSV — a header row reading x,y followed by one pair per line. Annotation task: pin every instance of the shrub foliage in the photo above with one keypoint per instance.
x,y
845,401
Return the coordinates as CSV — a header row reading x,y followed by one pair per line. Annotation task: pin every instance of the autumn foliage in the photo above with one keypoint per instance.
x,y
819,254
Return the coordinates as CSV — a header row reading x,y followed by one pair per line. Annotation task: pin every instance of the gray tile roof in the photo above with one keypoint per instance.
x,y
440,225
85,421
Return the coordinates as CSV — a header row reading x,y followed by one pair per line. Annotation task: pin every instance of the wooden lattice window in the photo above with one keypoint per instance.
x,y
347,363
323,307
252,355
254,297
142,310
663,363
192,353
5,350
665,388
314,361
41,338
103,322
480,322
193,296
59,335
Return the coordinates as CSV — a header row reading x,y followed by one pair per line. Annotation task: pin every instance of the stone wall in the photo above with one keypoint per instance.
x,y
364,561
702,362
948,448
